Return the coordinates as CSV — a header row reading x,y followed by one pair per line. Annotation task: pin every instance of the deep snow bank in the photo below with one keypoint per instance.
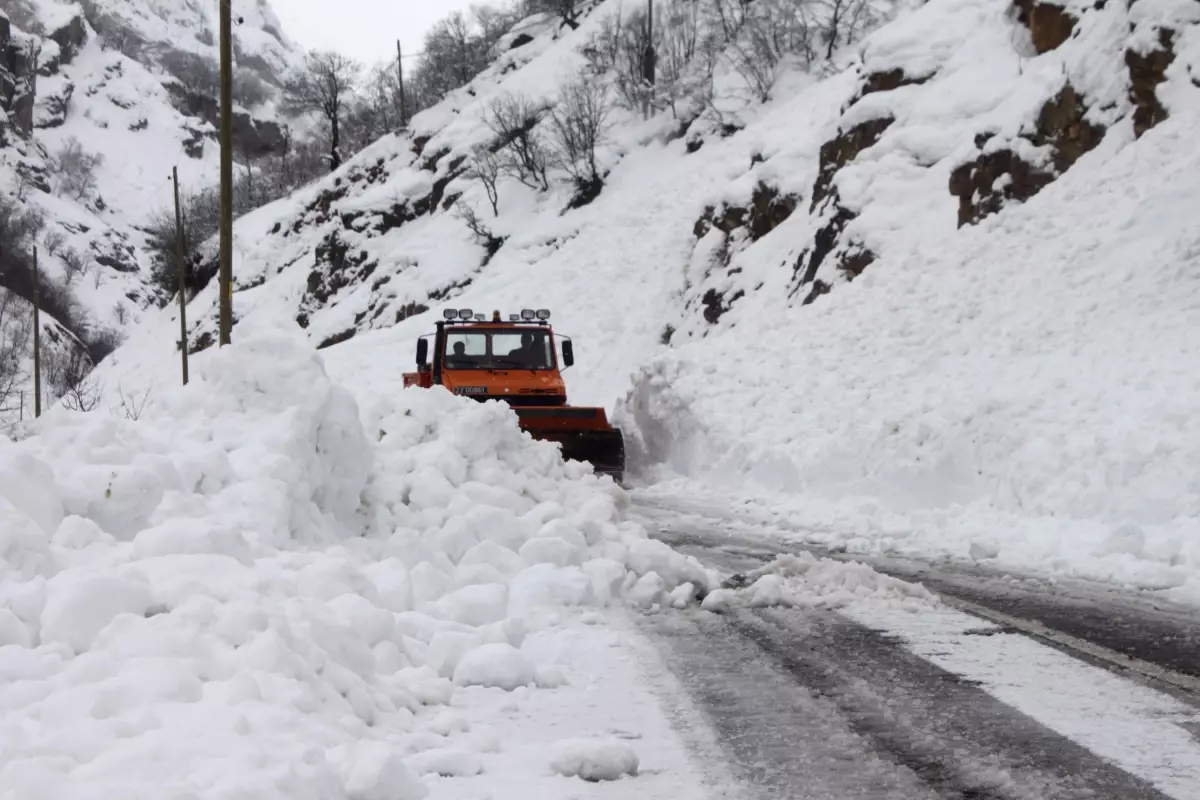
x,y
243,594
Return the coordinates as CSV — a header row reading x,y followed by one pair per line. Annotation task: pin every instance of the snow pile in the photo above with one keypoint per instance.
x,y
242,593
594,759
805,581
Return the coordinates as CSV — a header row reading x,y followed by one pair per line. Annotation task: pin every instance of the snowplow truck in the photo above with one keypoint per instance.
x,y
516,360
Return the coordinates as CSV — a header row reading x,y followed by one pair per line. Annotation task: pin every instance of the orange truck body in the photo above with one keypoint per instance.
x,y
517,361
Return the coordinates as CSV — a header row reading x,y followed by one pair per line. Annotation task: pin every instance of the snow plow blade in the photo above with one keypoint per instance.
x,y
583,433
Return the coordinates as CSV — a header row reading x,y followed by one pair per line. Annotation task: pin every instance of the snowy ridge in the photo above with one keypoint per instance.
x,y
269,596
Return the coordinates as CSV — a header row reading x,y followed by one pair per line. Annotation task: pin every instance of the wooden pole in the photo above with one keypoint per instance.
x,y
226,227
181,256
37,337
400,74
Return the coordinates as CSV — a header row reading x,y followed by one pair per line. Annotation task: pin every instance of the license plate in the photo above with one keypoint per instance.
x,y
470,390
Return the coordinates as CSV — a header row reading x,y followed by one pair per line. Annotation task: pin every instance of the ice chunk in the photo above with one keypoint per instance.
x,y
80,605
594,759
379,773
480,604
495,665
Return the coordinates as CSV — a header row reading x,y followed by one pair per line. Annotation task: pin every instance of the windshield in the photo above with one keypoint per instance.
x,y
484,349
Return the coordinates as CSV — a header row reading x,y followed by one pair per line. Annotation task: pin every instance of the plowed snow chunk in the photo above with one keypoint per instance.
x,y
449,762
545,585
480,604
378,773
79,606
498,665
806,581
594,759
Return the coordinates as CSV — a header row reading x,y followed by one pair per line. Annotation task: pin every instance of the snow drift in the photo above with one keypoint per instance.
x,y
253,590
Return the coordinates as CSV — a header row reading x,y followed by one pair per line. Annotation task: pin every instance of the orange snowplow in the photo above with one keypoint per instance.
x,y
517,361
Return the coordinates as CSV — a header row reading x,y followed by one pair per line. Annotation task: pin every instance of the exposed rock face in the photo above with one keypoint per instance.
x,y
253,137
841,150
983,186
768,210
1146,72
18,79
1049,24
70,39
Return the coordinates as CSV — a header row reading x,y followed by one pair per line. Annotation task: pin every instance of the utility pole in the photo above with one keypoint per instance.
x,y
400,75
37,337
226,227
180,255
648,59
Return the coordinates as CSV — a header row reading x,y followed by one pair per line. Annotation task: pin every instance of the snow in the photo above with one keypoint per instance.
x,y
805,581
263,586
594,760
297,578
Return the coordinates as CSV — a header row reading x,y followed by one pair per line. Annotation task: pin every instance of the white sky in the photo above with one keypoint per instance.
x,y
365,30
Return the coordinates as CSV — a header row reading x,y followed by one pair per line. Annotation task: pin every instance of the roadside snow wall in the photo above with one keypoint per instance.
x,y
242,593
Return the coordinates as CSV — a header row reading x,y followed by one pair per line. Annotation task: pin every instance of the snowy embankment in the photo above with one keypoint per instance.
x,y
1025,396
252,590
1019,390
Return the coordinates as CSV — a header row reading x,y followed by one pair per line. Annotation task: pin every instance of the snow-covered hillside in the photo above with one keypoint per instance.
x,y
99,100
937,291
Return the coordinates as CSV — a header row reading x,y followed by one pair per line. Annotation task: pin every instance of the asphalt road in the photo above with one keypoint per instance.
x,y
811,703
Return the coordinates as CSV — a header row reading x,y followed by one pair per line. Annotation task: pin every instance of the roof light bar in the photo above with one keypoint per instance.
x,y
450,313
465,314
543,313
527,313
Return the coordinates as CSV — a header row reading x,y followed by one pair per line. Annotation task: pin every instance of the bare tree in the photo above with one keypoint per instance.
x,y
76,169
578,123
68,375
523,153
486,168
132,405
16,325
324,87
566,10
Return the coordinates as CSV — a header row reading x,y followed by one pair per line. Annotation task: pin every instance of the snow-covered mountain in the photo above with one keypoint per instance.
x,y
937,287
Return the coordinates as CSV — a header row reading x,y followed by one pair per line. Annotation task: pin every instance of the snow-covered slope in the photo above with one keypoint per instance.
x,y
125,82
937,291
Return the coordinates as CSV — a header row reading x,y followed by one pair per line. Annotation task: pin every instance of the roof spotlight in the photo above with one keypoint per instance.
x,y
514,317
527,313
543,313
466,313
450,313
480,317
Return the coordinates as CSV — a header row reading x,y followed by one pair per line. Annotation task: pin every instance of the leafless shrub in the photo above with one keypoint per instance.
x,y
67,372
523,152
578,123
76,169
16,326
133,407
54,241
121,313
483,234
486,168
